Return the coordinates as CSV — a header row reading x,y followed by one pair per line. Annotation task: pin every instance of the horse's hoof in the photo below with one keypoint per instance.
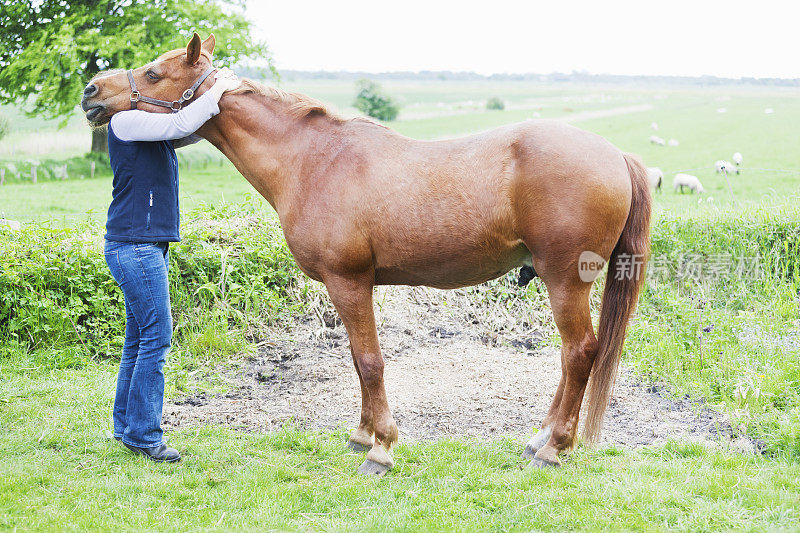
x,y
537,442
541,463
357,446
371,468
529,452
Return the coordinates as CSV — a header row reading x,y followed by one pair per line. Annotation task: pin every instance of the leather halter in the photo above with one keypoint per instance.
x,y
175,105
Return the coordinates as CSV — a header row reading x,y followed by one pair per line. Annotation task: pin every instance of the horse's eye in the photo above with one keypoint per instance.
x,y
152,75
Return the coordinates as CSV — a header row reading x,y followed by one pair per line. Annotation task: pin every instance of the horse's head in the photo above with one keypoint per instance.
x,y
166,79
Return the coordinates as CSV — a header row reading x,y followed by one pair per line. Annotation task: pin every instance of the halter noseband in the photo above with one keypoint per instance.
x,y
175,105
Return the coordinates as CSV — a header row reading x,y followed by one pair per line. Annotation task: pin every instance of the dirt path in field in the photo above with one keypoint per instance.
x,y
604,113
568,117
452,370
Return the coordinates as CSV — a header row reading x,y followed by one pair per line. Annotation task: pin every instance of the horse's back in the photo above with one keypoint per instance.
x,y
458,212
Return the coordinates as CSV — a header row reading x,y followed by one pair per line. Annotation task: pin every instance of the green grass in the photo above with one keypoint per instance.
x,y
71,201
59,473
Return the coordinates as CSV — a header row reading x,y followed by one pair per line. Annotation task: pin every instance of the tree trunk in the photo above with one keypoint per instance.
x,y
100,140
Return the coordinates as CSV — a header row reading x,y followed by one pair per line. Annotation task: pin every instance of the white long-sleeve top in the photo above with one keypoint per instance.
x,y
137,125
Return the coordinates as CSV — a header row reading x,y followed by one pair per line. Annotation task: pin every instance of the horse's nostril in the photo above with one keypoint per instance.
x,y
90,90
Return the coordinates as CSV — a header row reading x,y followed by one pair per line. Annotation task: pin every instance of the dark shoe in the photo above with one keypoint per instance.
x,y
159,454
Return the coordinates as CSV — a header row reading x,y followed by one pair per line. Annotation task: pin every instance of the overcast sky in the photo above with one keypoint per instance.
x,y
733,39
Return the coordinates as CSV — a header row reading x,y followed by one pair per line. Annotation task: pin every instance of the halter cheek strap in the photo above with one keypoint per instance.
x,y
175,105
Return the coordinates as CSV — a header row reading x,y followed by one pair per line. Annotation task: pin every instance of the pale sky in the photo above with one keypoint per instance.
x,y
759,38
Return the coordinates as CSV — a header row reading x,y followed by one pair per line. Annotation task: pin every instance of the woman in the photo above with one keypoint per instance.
x,y
143,219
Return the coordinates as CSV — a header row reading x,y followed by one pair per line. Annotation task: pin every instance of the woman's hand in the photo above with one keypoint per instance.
x,y
227,80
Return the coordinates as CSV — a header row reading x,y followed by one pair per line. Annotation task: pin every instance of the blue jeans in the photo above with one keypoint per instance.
x,y
141,271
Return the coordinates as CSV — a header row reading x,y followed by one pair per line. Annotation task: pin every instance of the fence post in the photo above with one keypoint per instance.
x,y
2,175
33,173
64,175
91,169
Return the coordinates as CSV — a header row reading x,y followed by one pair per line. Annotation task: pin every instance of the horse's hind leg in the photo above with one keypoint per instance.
x,y
570,303
540,439
352,297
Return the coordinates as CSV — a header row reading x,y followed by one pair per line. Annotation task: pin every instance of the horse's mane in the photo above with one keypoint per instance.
x,y
300,105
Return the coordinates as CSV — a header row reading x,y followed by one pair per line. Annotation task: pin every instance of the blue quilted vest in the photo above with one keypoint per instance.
x,y
144,207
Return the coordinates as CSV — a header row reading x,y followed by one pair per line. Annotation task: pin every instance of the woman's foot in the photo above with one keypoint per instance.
x,y
159,454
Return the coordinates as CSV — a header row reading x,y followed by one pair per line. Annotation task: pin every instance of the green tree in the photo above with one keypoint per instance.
x,y
372,101
50,49
495,103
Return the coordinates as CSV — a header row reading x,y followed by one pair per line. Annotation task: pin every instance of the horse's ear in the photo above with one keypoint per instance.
x,y
208,44
193,50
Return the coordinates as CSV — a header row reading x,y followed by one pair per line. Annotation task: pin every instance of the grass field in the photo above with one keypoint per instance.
x,y
728,342
58,473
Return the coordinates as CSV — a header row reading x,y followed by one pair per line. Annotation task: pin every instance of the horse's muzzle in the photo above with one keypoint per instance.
x,y
94,113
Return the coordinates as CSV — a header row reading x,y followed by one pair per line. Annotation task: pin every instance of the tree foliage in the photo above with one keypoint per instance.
x,y
495,103
50,49
372,101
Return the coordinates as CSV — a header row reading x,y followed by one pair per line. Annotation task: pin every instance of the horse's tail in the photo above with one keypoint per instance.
x,y
625,276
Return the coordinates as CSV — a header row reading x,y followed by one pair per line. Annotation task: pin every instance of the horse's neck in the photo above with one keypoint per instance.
x,y
264,142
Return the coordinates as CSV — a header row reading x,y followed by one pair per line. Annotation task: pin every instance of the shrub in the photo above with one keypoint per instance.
x,y
232,269
495,104
372,101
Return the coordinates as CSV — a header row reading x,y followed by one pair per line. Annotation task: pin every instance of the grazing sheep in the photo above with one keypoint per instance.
x,y
769,111
737,158
725,166
654,126
654,139
687,180
11,225
673,142
655,177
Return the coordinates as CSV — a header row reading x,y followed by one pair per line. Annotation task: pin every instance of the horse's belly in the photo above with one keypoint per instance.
x,y
451,270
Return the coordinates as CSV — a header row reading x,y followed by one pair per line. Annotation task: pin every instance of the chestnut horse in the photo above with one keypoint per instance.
x,y
361,205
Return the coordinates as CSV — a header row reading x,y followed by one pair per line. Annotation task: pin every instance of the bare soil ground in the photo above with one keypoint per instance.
x,y
452,370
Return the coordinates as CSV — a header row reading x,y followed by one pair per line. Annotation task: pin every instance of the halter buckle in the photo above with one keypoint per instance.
x,y
135,96
176,105
187,94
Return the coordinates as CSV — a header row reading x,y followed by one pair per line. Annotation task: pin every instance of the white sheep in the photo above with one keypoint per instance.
x,y
725,166
687,180
654,126
12,225
655,177
654,139
737,158
673,142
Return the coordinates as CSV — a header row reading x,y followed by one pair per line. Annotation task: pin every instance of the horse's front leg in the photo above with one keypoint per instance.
x,y
362,439
352,297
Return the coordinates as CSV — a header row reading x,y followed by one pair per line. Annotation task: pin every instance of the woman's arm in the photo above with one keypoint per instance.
x,y
186,141
136,125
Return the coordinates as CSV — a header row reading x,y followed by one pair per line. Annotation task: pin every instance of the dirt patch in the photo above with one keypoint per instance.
x,y
447,375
